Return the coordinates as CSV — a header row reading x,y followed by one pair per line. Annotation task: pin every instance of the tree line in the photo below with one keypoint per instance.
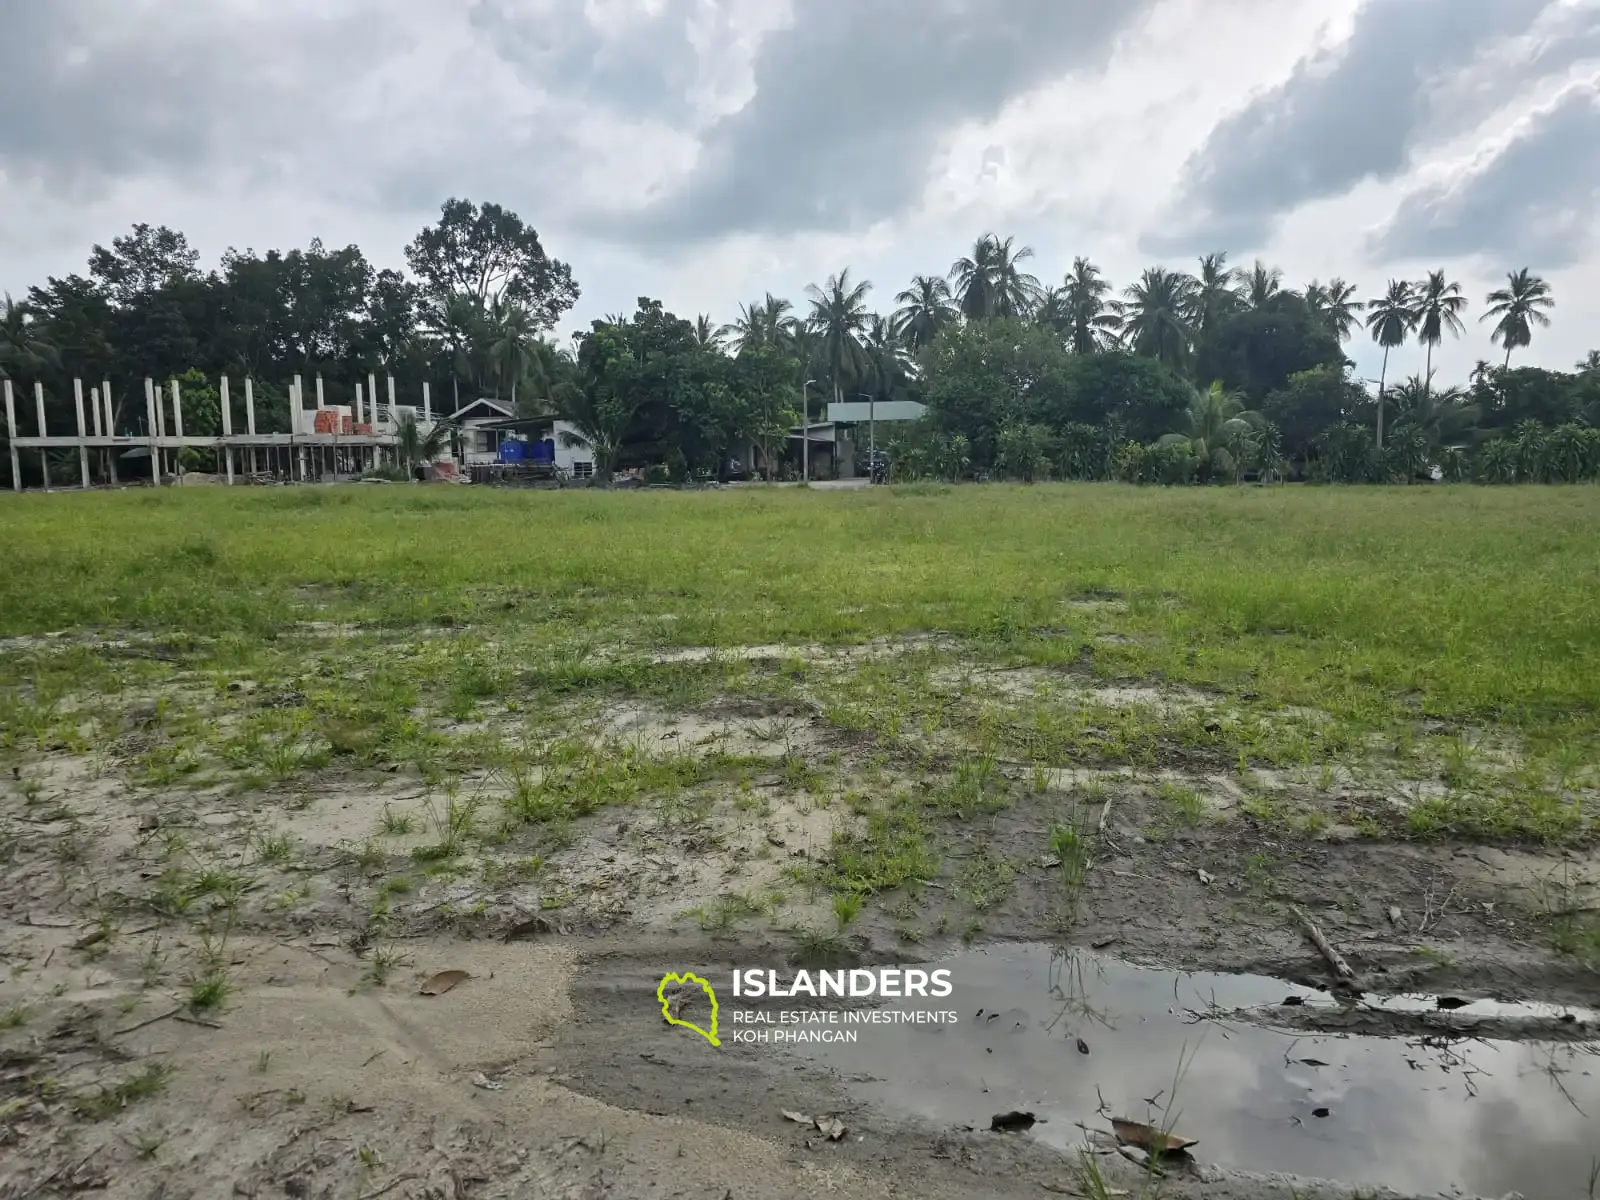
x,y
1210,375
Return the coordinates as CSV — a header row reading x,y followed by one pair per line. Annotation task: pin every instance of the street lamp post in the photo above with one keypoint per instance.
x,y
805,431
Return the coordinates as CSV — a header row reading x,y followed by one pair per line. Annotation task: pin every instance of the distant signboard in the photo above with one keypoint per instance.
x,y
848,411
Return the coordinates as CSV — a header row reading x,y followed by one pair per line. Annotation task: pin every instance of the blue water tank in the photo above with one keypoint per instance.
x,y
513,451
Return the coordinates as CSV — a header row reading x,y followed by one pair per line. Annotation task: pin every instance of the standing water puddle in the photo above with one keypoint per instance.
x,y
1427,1114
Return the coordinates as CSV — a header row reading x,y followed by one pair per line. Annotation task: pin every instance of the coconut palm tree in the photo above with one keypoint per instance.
x,y
706,335
1438,307
990,283
1390,319
1334,306
1590,362
767,322
839,317
1262,285
1153,316
1052,312
417,449
1215,296
458,324
884,357
513,337
1094,323
1444,418
22,345
926,309
1217,420
1520,305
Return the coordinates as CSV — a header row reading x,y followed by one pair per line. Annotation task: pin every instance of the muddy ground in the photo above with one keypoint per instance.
x,y
227,880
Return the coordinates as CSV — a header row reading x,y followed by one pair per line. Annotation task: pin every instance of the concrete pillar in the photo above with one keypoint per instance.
x,y
249,406
227,426
320,402
111,412
427,404
83,450
44,455
296,406
304,470
11,435
94,404
360,410
177,411
152,414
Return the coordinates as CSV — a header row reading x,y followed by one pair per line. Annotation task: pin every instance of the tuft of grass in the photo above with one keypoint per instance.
x,y
397,824
209,992
107,1102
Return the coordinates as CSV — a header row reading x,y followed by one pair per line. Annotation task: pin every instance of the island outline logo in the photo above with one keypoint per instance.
x,y
683,980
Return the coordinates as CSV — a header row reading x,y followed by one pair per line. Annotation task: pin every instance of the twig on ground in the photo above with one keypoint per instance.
x,y
1335,960
391,1185
151,1021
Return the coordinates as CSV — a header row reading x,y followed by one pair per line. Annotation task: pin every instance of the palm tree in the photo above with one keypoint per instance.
x,y
1093,322
767,322
1262,286
1390,319
1053,312
458,324
1438,305
989,282
415,448
1218,426
1214,294
1153,315
1334,306
1520,305
706,335
925,310
839,316
885,357
1590,362
512,345
21,343
1445,418
597,417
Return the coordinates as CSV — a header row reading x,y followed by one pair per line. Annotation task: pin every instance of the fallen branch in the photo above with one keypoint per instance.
x,y
1323,945
163,1017
197,1021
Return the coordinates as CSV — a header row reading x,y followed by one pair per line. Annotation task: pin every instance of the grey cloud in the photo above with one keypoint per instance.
x,y
1532,204
93,91
650,67
1343,116
850,102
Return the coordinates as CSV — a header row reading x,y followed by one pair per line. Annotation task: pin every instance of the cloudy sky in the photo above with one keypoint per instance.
x,y
705,151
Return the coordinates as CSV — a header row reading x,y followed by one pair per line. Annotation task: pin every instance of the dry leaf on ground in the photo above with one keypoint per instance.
x,y
439,984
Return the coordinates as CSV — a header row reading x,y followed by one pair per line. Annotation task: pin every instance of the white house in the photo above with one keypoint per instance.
x,y
480,441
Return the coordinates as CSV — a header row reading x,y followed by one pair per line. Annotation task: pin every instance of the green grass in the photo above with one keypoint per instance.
x,y
1477,600
1376,610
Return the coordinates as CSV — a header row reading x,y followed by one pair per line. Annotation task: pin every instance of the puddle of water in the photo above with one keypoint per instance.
x,y
1421,1114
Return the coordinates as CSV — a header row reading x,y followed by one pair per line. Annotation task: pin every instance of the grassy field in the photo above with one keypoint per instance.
x,y
252,737
1461,603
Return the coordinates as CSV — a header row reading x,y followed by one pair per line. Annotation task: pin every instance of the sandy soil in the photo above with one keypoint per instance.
x,y
214,990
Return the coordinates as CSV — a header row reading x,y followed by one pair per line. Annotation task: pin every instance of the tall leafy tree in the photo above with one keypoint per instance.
x,y
926,310
839,316
1439,304
146,261
1391,319
488,254
1517,308
1154,312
